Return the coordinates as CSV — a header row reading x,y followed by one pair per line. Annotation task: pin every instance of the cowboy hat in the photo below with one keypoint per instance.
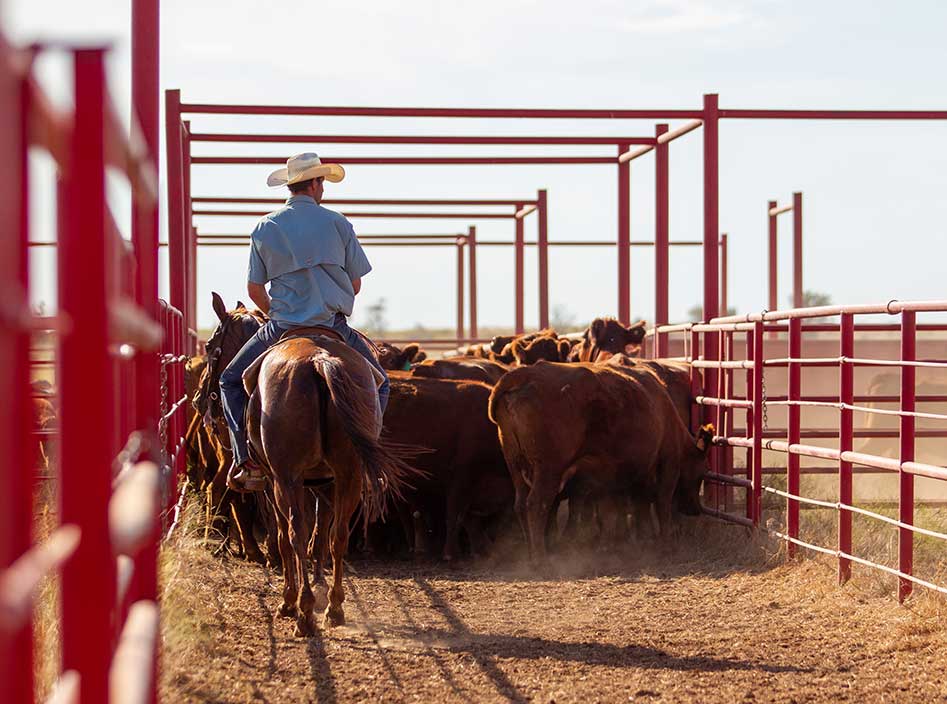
x,y
303,167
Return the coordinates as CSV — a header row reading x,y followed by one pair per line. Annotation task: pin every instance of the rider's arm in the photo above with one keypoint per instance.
x,y
357,285
258,295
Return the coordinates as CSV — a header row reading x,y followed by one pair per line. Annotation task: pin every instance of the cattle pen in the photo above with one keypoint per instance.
x,y
143,613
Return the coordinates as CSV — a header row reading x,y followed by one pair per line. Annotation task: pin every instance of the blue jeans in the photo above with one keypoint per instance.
x,y
234,397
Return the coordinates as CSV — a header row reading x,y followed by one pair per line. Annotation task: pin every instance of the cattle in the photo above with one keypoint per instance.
x,y
547,347
600,430
393,358
606,337
466,481
469,368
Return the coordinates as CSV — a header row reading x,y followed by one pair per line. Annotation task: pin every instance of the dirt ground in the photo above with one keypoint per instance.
x,y
701,625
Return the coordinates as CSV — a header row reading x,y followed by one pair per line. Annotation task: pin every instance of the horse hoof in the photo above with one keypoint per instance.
x,y
304,628
334,617
256,557
287,610
321,597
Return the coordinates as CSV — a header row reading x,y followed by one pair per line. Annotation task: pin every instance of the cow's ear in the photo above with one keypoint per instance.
x,y
519,349
219,308
411,351
597,328
564,349
635,333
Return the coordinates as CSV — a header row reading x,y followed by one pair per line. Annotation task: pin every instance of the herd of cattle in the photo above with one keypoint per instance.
x,y
501,432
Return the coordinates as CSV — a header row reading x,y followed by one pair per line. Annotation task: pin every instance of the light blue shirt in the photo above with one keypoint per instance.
x,y
310,256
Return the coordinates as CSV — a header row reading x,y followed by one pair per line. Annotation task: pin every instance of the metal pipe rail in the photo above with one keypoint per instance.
x,y
718,404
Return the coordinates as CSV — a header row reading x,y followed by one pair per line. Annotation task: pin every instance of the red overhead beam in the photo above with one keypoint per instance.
x,y
835,114
532,113
413,160
371,201
412,139
463,216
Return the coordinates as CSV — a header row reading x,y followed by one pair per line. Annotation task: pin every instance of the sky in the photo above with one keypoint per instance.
x,y
875,215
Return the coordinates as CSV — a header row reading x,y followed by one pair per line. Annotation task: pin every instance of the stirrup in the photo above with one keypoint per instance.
x,y
246,478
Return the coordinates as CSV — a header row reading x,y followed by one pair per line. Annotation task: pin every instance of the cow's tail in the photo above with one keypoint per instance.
x,y
512,393
384,465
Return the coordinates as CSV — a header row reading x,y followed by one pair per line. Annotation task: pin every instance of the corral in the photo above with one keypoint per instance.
x,y
151,610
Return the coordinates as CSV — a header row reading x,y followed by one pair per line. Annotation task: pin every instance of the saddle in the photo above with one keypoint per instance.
x,y
314,333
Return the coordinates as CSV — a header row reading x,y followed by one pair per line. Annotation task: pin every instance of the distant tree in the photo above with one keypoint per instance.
x,y
376,323
562,319
696,312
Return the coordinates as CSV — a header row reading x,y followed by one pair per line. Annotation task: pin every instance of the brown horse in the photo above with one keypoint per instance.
x,y
313,416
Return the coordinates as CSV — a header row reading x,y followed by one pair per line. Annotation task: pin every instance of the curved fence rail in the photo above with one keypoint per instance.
x,y
719,398
115,452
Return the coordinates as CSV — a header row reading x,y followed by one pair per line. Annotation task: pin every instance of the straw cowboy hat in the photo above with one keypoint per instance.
x,y
303,167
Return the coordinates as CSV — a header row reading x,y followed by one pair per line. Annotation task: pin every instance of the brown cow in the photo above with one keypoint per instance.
x,y
548,347
393,358
466,477
606,337
469,368
614,431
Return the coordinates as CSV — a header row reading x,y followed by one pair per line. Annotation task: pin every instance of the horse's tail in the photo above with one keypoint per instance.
x,y
385,470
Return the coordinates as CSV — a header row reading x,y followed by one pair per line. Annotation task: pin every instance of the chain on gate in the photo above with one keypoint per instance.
x,y
762,372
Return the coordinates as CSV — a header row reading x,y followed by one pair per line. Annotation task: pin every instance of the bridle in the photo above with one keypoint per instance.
x,y
207,400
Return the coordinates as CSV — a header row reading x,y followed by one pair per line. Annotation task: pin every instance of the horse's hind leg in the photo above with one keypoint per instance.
x,y
345,501
294,497
290,584
317,548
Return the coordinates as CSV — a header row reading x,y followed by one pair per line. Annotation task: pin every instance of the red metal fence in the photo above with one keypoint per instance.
x,y
719,403
116,350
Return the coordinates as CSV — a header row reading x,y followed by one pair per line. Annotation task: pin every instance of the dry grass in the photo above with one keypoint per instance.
x,y
47,641
872,540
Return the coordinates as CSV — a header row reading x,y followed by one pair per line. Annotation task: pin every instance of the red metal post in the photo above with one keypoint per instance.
x,y
460,289
661,239
758,375
797,290
845,440
145,96
542,246
88,580
711,238
17,462
751,416
906,494
177,268
696,380
518,266
728,429
190,248
792,461
472,273
624,237
724,275
772,253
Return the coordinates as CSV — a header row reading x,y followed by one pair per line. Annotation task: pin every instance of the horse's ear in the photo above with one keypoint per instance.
x,y
219,308
241,304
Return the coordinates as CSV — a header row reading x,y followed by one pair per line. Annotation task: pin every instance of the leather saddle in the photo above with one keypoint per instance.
x,y
312,331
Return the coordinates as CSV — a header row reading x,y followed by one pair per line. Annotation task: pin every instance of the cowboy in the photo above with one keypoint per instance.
x,y
313,263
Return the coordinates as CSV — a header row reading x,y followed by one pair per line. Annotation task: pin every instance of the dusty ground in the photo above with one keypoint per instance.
x,y
695,626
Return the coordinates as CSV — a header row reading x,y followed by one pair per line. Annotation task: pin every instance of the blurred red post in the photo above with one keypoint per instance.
x,y
88,580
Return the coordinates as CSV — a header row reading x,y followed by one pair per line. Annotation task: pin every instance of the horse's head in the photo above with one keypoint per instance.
x,y
232,332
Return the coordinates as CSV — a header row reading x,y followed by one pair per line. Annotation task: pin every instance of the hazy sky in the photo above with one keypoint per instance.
x,y
874,192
